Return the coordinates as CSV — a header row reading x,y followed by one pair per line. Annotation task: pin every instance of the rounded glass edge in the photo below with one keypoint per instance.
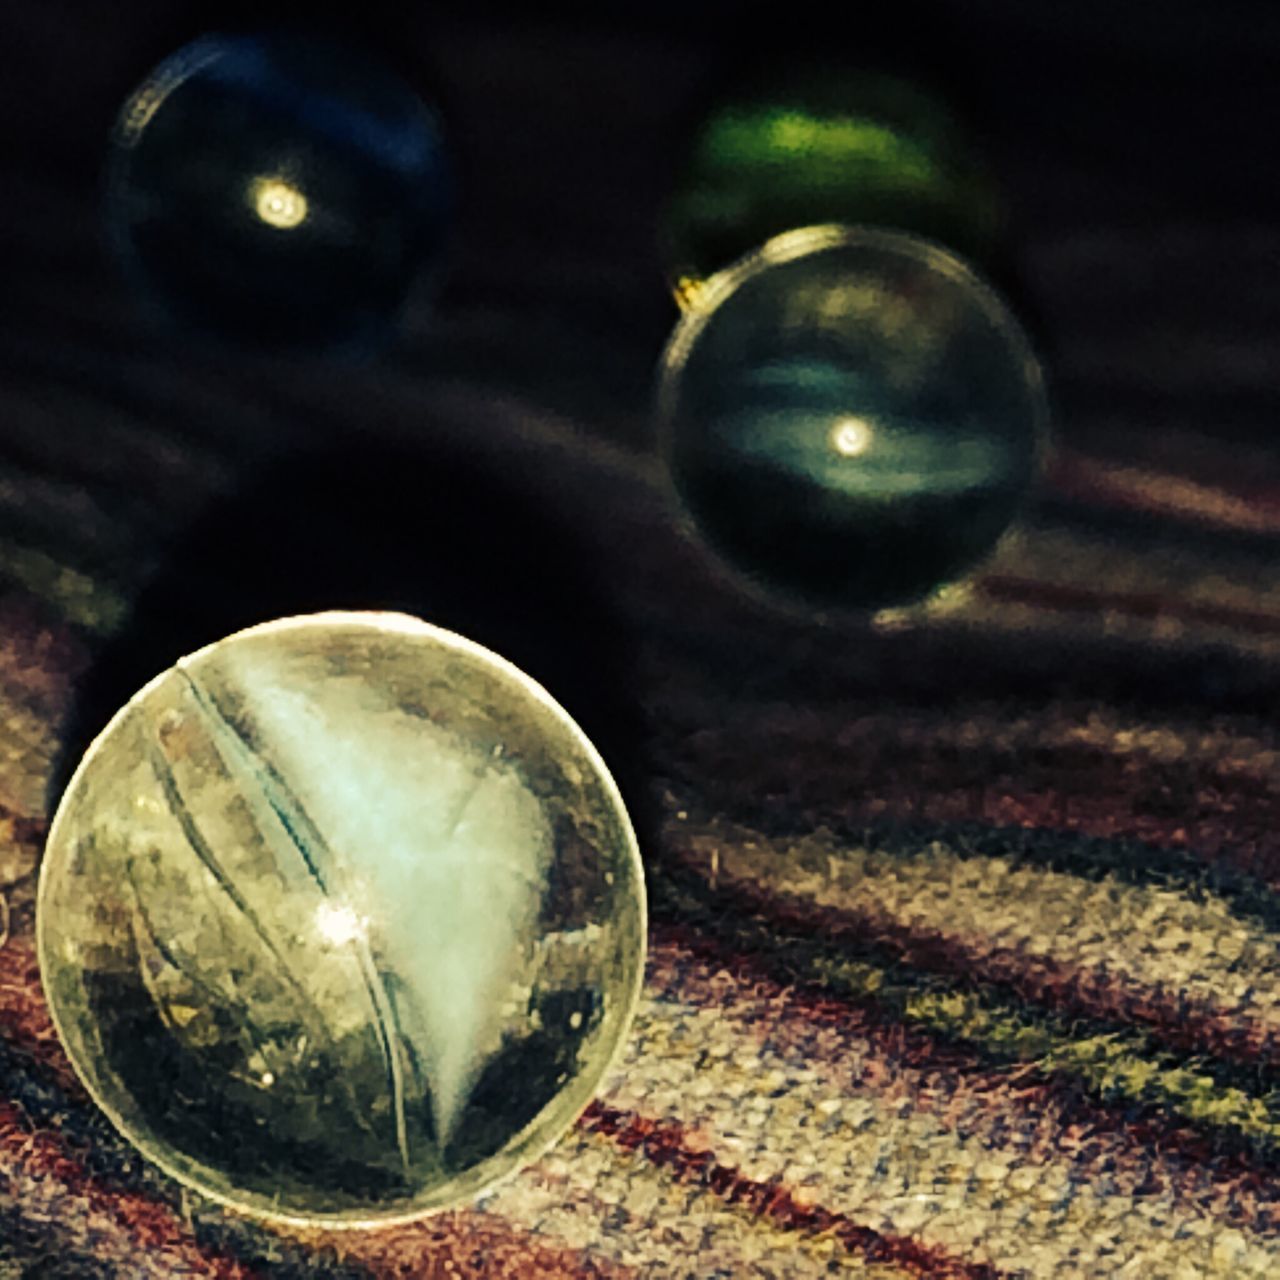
x,y
261,1207
697,309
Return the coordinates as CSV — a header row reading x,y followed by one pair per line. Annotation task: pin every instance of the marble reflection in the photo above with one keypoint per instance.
x,y
278,203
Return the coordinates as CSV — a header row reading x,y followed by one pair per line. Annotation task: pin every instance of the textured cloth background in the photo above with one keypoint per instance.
x,y
964,947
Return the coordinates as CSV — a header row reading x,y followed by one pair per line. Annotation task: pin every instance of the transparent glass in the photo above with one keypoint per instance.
x,y
341,919
851,418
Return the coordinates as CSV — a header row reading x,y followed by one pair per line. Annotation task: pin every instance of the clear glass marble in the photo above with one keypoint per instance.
x,y
341,919
850,417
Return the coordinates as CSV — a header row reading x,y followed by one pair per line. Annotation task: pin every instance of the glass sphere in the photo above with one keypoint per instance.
x,y
809,145
277,191
850,417
341,919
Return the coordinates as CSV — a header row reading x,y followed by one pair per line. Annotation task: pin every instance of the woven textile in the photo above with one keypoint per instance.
x,y
964,949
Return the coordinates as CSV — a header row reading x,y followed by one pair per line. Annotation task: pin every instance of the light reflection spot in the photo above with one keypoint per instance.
x,y
851,437
278,203
338,925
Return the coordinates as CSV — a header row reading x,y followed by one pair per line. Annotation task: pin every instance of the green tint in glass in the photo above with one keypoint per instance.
x,y
823,146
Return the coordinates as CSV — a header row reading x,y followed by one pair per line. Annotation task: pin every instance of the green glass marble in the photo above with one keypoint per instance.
x,y
817,145
341,919
850,418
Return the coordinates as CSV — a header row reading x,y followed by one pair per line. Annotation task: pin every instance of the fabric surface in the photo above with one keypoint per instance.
x,y
963,958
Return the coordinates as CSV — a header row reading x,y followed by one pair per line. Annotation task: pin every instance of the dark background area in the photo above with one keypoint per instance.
x,y
493,469
1142,126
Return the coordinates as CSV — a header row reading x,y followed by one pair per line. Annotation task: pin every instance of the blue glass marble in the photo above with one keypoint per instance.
x,y
277,191
851,418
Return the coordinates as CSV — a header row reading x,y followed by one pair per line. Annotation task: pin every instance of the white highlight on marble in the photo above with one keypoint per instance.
x,y
851,436
338,925
440,845
278,203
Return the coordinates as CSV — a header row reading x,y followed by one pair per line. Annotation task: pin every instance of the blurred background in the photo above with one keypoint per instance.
x,y
494,467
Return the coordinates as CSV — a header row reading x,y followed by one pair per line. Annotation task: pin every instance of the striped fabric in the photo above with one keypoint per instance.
x,y
947,978
964,950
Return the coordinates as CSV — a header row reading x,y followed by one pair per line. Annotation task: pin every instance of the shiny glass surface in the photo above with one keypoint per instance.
x,y
277,190
341,919
850,418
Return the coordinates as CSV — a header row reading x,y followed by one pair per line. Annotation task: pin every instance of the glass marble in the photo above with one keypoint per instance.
x,y
277,191
850,418
809,145
341,919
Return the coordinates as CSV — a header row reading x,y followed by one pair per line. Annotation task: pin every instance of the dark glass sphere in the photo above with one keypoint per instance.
x,y
851,418
277,191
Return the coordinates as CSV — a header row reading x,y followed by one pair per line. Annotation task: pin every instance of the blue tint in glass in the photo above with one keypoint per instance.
x,y
277,191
